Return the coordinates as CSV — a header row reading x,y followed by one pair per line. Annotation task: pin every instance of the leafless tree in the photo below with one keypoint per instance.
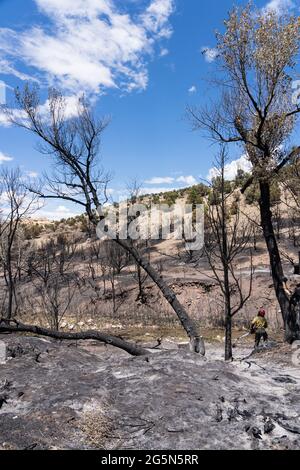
x,y
53,256
227,237
18,204
139,276
257,54
73,144
116,257
113,260
134,189
54,299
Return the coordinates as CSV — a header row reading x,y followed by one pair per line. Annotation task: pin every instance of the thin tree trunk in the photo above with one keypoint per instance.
x,y
141,295
10,288
228,335
228,316
112,281
274,254
225,261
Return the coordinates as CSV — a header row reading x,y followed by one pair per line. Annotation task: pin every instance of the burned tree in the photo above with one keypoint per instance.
x,y
257,54
227,237
140,276
18,204
54,299
73,144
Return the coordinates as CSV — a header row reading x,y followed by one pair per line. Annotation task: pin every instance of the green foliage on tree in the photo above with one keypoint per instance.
x,y
170,198
32,231
241,178
196,194
214,197
252,194
155,199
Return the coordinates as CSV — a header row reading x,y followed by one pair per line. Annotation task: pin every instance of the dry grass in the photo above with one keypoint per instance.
x,y
98,428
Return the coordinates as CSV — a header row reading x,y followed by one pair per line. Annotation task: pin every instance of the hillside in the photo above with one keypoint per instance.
x,y
107,282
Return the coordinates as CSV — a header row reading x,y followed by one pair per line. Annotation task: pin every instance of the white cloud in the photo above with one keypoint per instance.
x,y
91,44
164,52
4,158
7,69
160,180
210,54
279,6
193,89
15,113
55,214
231,169
188,180
32,174
4,121
72,107
119,195
156,17
64,209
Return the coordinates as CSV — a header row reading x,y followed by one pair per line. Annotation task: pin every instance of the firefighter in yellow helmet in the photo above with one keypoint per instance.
x,y
259,326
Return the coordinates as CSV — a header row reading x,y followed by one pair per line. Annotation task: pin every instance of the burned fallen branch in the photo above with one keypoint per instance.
x,y
16,327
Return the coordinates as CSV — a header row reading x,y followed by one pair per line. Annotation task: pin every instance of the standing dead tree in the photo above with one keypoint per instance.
x,y
51,270
134,194
115,260
54,299
73,144
227,237
257,54
18,204
141,277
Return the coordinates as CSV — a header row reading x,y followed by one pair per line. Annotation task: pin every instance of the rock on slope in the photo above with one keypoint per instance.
x,y
58,395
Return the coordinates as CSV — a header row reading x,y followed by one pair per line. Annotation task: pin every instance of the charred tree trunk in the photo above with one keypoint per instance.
x,y
228,315
196,341
76,148
10,285
15,327
228,334
274,254
225,262
141,294
293,320
10,294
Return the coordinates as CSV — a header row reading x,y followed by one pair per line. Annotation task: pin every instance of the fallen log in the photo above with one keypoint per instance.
x,y
13,326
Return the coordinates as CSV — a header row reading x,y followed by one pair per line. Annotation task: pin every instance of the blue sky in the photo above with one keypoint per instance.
x,y
142,68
